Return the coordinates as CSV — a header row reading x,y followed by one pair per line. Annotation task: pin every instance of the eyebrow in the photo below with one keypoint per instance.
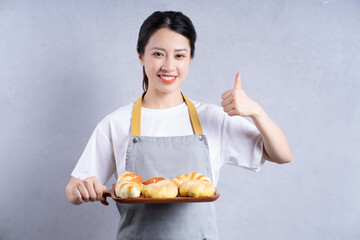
x,y
176,50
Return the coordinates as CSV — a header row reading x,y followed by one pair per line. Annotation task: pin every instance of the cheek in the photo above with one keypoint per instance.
x,y
153,64
149,66
184,66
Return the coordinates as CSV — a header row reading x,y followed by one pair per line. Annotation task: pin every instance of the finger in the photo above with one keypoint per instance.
x,y
229,107
238,81
232,113
227,94
103,197
76,193
99,190
91,190
226,101
83,191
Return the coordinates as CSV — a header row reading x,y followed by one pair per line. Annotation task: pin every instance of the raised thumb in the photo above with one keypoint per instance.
x,y
238,80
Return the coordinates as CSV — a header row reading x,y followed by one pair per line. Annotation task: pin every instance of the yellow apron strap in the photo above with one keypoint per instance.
x,y
136,117
195,122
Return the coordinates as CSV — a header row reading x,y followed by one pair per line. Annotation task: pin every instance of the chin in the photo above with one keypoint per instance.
x,y
166,87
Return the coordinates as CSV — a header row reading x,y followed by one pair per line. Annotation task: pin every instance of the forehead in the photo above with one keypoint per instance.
x,y
168,39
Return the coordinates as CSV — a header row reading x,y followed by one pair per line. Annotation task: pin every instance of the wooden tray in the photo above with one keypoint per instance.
x,y
142,199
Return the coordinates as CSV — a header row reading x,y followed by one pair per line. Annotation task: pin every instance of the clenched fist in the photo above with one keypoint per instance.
x,y
90,189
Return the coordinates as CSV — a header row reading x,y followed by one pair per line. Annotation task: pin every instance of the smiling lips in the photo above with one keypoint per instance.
x,y
168,78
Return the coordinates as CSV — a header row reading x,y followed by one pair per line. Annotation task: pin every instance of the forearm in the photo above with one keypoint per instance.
x,y
275,143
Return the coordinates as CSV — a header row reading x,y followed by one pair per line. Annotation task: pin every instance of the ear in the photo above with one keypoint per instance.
x,y
141,59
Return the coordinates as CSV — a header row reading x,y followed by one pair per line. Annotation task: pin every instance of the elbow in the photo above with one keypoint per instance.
x,y
281,159
285,159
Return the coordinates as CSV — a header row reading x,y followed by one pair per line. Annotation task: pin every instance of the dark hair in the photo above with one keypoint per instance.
x,y
175,21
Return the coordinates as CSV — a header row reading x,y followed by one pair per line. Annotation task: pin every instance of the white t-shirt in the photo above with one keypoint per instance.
x,y
232,140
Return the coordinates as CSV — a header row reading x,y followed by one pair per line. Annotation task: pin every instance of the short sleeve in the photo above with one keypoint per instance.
x,y
97,159
241,143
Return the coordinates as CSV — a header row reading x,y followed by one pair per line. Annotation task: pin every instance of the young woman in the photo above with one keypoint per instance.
x,y
166,134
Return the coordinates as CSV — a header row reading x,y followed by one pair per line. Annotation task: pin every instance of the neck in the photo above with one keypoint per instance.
x,y
160,100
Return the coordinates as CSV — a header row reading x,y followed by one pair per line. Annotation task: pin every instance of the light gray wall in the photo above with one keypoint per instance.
x,y
65,64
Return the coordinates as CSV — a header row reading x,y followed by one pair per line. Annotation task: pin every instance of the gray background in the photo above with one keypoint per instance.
x,y
64,65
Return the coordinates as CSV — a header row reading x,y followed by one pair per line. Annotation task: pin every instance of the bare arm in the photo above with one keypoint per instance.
x,y
237,103
276,146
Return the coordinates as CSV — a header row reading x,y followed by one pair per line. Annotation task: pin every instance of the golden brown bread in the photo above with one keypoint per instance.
x,y
161,189
129,176
128,189
128,185
153,180
197,188
194,184
190,177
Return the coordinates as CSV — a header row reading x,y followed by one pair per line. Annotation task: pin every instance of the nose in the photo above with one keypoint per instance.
x,y
168,64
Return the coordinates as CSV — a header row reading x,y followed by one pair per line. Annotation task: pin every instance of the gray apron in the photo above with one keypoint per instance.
x,y
167,157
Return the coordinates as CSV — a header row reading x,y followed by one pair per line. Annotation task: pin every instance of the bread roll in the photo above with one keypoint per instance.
x,y
153,180
129,176
128,185
161,189
128,189
197,188
190,177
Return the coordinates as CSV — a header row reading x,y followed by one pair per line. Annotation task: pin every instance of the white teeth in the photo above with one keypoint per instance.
x,y
167,78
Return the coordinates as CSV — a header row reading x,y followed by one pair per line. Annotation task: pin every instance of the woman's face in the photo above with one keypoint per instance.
x,y
166,60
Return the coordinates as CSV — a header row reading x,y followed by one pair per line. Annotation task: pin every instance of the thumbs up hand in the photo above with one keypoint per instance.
x,y
237,103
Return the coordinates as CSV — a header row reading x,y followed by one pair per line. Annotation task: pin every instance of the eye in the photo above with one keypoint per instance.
x,y
180,55
158,54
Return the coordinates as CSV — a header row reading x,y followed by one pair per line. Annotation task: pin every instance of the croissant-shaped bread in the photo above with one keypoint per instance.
x,y
129,176
197,188
190,177
128,185
128,189
161,189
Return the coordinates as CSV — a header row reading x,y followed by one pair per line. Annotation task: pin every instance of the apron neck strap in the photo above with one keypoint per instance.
x,y
136,117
